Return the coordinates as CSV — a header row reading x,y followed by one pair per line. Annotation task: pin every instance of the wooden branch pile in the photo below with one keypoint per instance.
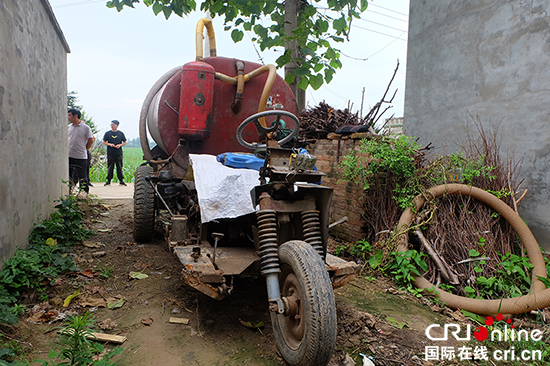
x,y
317,123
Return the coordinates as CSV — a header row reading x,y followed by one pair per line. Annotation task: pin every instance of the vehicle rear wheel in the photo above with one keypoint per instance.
x,y
144,205
306,334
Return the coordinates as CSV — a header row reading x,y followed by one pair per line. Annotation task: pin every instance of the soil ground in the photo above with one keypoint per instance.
x,y
373,317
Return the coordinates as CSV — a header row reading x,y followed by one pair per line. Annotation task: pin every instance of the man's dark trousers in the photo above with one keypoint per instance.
x,y
111,162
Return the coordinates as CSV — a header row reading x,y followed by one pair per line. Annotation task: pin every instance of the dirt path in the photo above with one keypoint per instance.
x,y
214,335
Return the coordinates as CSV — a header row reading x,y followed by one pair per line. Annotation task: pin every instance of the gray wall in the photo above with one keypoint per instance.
x,y
33,118
490,59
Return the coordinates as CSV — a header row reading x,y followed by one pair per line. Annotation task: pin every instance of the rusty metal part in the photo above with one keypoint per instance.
x,y
180,230
196,253
294,323
195,280
199,272
292,305
341,272
311,226
216,236
291,176
339,281
230,260
267,203
160,197
237,104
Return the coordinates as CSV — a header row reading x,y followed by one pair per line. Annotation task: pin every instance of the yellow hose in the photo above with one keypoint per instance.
x,y
267,87
540,296
200,37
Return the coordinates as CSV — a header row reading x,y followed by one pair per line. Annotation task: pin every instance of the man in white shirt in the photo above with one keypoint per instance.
x,y
80,141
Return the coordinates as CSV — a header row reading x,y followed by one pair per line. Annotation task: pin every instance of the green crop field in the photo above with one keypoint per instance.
x,y
133,157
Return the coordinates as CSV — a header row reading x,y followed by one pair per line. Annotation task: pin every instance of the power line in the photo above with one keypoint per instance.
x,y
377,52
384,34
84,2
381,7
389,16
383,25
382,49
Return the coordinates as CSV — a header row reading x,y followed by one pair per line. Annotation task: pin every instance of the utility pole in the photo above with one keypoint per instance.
x,y
291,22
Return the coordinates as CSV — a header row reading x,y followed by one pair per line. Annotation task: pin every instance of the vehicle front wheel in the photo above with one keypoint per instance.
x,y
306,333
144,205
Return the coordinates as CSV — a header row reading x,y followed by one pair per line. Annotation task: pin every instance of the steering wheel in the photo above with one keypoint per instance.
x,y
262,131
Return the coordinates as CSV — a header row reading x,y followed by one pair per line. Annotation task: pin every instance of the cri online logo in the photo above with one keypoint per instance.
x,y
482,333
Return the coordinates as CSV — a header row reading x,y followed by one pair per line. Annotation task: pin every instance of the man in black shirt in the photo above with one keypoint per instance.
x,y
114,140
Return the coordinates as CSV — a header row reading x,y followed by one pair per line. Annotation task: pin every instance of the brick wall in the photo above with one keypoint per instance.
x,y
346,198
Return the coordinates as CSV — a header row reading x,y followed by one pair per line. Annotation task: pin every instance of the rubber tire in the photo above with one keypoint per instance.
x,y
302,265
144,205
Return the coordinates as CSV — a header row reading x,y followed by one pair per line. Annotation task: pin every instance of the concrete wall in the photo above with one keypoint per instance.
x,y
33,118
488,58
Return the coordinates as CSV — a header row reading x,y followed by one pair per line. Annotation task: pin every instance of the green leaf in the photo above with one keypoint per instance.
x,y
269,7
70,298
217,6
303,83
474,317
473,253
116,304
544,280
339,24
138,275
307,52
323,25
301,71
376,259
396,323
157,8
167,12
237,35
260,30
329,73
289,78
330,54
316,81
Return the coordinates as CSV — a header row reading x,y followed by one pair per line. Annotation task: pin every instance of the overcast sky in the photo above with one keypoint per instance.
x,y
117,57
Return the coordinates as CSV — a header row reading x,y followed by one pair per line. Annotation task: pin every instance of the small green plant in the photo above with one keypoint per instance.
x,y
404,267
511,279
65,225
340,249
360,249
105,272
380,155
10,353
78,350
45,258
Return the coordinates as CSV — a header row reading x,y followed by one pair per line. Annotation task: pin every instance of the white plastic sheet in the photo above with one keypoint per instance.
x,y
223,192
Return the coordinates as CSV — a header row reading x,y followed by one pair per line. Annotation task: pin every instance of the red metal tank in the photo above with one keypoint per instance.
x,y
166,111
196,99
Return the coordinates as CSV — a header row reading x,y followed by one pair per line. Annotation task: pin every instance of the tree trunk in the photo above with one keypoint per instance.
x,y
291,21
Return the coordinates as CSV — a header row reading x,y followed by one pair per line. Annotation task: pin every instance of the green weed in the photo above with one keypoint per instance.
x,y
77,349
105,272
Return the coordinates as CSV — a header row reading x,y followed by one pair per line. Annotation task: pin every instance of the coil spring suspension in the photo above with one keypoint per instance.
x,y
311,226
269,256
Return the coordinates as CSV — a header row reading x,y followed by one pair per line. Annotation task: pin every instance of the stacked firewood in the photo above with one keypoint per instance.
x,y
318,122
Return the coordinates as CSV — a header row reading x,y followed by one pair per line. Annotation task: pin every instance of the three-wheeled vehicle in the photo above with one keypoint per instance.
x,y
227,222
